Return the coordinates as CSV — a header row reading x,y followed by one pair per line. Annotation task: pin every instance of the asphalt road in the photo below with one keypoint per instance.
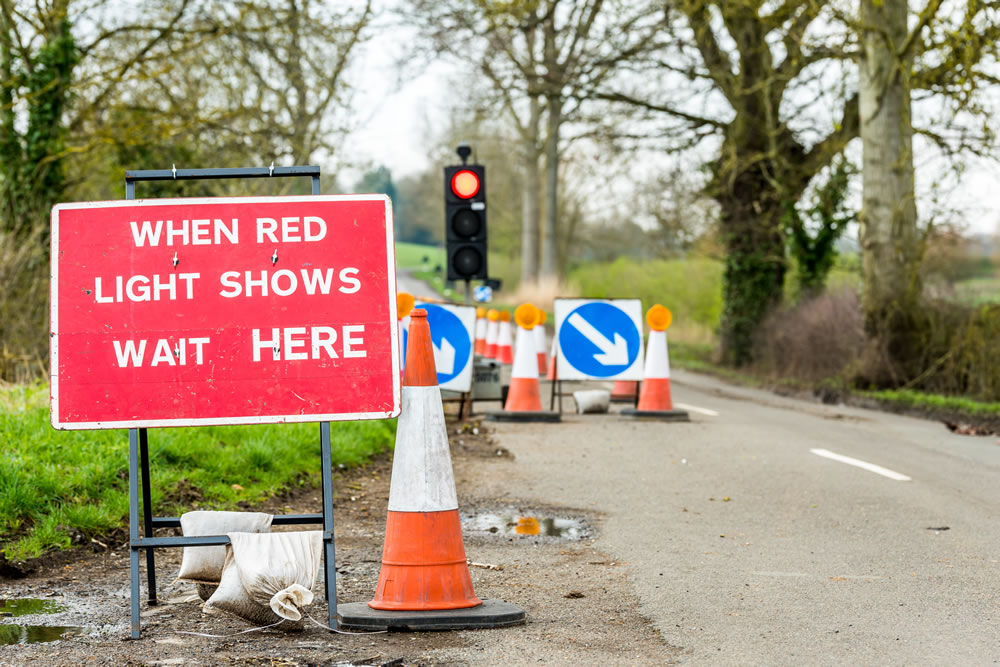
x,y
745,546
418,288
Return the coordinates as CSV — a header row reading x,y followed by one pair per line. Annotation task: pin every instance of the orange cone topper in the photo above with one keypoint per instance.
x,y
479,347
505,340
654,393
539,333
524,402
423,561
492,330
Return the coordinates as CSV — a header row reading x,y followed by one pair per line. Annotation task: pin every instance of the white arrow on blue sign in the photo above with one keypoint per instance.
x,y
599,339
451,336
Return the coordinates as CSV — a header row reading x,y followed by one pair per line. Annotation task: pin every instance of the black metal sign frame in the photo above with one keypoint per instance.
x,y
138,439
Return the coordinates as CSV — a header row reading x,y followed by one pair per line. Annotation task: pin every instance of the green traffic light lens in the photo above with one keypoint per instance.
x,y
467,261
466,223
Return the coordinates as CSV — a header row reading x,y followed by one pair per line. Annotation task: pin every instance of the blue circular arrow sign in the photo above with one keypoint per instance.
x,y
450,338
599,340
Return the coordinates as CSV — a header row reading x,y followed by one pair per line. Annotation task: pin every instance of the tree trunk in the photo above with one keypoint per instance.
x,y
890,244
550,251
530,196
754,275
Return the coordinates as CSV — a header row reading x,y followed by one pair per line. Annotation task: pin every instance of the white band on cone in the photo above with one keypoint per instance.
x,y
657,361
539,334
481,328
506,337
422,479
492,329
525,356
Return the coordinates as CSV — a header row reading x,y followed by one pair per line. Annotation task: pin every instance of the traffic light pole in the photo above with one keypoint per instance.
x,y
468,292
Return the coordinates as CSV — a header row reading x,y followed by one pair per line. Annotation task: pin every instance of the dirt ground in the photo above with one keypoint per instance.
x,y
579,602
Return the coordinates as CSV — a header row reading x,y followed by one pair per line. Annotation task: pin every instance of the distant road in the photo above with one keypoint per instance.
x,y
405,282
779,532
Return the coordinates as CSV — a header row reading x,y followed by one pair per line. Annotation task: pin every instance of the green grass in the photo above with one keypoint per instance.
x,y
909,398
690,288
978,291
411,256
57,487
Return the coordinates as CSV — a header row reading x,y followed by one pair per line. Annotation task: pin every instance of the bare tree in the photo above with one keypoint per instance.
x,y
542,57
944,50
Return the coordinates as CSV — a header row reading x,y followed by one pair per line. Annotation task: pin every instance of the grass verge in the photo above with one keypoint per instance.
x,y
58,488
908,398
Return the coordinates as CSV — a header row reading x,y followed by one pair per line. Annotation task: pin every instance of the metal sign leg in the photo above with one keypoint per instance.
x,y
147,515
133,525
329,553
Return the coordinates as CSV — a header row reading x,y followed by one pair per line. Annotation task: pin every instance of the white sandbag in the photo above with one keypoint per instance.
x,y
592,401
203,565
269,577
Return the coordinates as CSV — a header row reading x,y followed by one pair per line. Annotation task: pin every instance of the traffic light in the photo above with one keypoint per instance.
x,y
465,221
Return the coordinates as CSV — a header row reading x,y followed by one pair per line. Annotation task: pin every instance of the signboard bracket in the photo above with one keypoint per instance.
x,y
138,439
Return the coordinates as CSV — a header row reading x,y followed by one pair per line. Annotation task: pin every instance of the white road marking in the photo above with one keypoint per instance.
x,y
870,467
695,408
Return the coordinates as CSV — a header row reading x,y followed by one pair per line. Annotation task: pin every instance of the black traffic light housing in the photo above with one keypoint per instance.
x,y
465,219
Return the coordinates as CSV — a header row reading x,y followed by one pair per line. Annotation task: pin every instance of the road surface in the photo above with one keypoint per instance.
x,y
749,540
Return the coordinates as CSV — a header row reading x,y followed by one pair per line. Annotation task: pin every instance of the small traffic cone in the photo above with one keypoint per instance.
x,y
424,582
624,391
553,353
524,401
654,393
492,331
479,348
404,304
505,340
539,332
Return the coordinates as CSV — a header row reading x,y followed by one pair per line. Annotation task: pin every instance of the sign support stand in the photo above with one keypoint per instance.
x,y
138,442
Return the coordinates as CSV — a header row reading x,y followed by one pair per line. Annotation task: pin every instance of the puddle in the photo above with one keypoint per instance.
x,y
26,606
515,525
32,634
35,634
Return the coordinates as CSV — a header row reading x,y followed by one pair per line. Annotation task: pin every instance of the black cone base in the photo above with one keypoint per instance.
x,y
490,614
540,416
662,415
623,399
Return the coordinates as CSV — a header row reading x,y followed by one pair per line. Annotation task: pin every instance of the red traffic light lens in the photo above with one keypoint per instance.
x,y
465,184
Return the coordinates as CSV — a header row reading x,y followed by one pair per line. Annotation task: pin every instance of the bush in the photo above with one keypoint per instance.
x,y
814,340
24,307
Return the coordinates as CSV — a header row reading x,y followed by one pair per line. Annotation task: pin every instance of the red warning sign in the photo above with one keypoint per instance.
x,y
178,312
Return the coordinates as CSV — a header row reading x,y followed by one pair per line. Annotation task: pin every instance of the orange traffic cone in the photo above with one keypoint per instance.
x,y
524,401
424,570
539,332
624,391
654,393
423,562
553,352
505,340
404,304
479,348
492,330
